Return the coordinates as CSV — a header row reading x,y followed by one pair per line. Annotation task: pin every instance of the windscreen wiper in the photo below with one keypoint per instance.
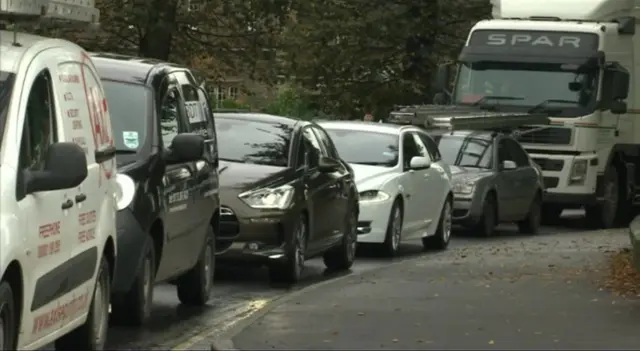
x,y
485,98
542,107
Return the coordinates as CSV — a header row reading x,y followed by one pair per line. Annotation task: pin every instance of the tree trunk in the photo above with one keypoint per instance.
x,y
158,34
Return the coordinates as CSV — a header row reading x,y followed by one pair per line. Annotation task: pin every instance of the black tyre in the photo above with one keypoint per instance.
x,y
604,214
441,239
290,270
394,230
92,335
342,256
487,225
550,214
8,317
531,223
134,307
194,287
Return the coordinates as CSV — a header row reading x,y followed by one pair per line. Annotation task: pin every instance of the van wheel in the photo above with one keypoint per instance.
x,y
194,287
604,215
134,307
531,224
342,256
442,237
92,335
290,270
8,318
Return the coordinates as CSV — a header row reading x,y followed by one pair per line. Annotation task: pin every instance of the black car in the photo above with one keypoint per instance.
x,y
286,195
165,140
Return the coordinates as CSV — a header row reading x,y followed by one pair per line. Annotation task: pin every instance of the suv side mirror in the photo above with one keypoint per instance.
x,y
65,167
618,107
186,147
328,164
419,162
508,164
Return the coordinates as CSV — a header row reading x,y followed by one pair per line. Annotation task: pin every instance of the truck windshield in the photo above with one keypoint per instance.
x,y
130,107
572,91
6,85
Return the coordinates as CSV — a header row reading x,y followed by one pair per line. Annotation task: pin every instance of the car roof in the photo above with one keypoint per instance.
x,y
258,117
130,69
366,126
11,55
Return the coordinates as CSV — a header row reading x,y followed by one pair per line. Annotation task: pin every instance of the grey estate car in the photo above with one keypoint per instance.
x,y
494,180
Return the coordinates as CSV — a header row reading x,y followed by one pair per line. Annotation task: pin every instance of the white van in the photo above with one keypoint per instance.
x,y
57,188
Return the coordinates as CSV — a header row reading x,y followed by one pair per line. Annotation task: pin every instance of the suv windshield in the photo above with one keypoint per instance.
x,y
130,106
251,141
465,151
6,85
529,84
366,148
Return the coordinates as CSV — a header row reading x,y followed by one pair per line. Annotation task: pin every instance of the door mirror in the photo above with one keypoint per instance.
x,y
419,162
442,78
619,83
508,164
440,99
618,107
186,147
65,167
328,164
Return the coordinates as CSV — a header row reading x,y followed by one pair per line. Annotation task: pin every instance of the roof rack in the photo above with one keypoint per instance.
x,y
463,118
13,11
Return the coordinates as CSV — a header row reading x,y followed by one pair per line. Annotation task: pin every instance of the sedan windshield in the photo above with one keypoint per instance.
x,y
6,84
465,151
130,108
367,148
566,87
251,141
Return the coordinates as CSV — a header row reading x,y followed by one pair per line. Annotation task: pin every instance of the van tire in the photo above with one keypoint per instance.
x,y
194,287
91,337
134,307
8,316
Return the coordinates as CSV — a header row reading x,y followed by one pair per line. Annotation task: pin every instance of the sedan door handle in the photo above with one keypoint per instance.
x,y
67,204
80,198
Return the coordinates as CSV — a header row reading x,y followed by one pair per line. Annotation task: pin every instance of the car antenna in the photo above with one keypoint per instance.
x,y
35,12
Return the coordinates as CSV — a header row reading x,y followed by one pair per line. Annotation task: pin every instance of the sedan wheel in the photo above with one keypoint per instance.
x,y
291,269
394,230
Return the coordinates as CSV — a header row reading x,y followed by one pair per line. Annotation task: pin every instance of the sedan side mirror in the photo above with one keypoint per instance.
x,y
65,167
508,164
186,147
328,164
419,162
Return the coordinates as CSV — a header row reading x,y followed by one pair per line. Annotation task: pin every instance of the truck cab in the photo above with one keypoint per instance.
x,y
575,61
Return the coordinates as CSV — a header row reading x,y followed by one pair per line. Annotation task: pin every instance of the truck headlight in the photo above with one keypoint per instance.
x,y
373,196
463,186
578,172
270,198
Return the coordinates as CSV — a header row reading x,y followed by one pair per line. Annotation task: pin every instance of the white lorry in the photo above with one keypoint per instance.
x,y
58,187
578,61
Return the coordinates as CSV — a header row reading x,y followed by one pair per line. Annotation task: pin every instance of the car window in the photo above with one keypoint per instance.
x,y
422,148
40,124
313,149
519,156
325,141
465,151
253,141
503,151
130,108
432,147
171,116
409,149
364,147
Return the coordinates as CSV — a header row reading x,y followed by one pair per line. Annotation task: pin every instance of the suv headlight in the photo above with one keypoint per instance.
x,y
272,198
578,172
463,186
373,196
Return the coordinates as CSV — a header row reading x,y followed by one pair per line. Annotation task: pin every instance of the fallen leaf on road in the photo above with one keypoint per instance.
x,y
491,342
622,277
394,340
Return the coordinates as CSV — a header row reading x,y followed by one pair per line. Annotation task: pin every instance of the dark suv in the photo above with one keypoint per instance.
x,y
165,141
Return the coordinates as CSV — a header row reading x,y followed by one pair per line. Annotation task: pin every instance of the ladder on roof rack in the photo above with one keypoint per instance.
x,y
463,118
14,11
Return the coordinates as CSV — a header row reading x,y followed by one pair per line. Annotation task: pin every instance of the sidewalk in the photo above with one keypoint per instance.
x,y
520,293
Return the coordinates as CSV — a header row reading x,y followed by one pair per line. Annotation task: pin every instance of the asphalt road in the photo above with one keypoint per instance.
x,y
240,291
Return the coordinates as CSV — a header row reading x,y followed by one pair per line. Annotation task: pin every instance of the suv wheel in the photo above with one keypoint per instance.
x,y
194,287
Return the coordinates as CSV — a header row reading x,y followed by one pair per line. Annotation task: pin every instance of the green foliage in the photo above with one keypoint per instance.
x,y
293,102
229,104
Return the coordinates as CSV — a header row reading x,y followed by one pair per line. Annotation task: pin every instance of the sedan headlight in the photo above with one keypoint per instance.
x,y
578,172
463,186
270,198
373,196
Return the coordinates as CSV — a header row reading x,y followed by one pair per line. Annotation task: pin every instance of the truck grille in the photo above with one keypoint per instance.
x,y
549,135
549,165
550,182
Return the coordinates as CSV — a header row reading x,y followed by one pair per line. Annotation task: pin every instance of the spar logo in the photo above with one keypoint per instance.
x,y
100,128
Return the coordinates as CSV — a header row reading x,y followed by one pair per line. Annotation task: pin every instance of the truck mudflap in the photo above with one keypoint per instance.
x,y
464,118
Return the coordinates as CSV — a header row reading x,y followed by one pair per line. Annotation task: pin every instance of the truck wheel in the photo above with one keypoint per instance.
x,y
92,335
604,214
8,318
134,307
194,287
342,256
550,214
531,224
